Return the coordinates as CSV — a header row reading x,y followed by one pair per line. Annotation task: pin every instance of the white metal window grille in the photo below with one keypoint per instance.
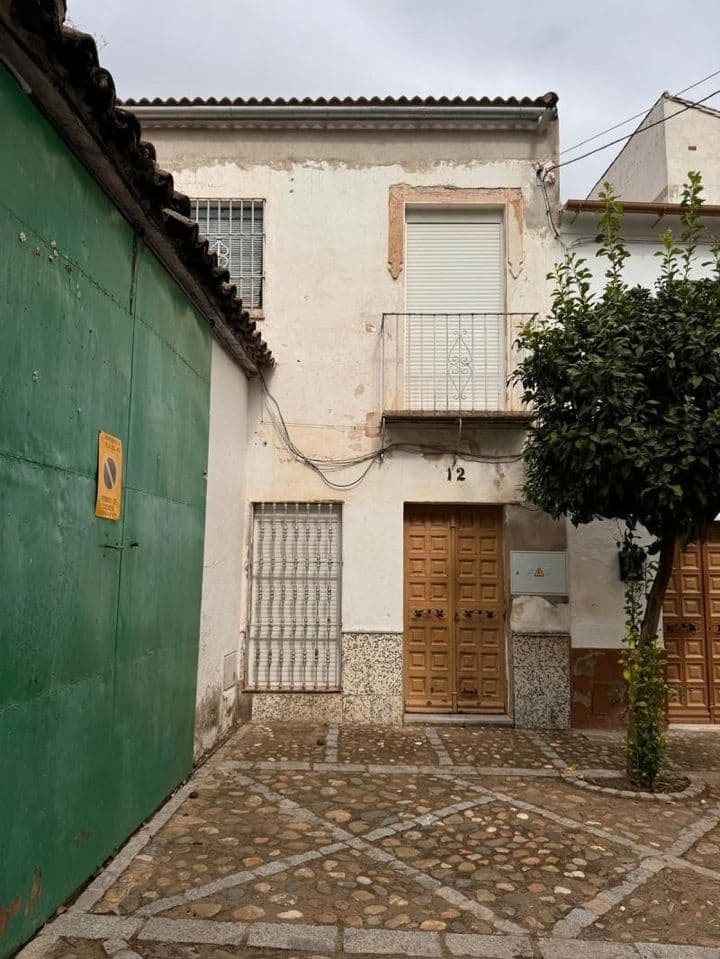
x,y
455,323
235,231
294,631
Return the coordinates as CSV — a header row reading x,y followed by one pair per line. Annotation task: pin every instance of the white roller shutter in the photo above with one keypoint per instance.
x,y
454,280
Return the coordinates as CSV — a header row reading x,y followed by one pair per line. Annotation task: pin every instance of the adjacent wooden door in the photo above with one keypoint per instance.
x,y
691,627
454,610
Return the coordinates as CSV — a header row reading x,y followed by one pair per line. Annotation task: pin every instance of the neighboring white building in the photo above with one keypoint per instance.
x,y
651,164
672,138
391,249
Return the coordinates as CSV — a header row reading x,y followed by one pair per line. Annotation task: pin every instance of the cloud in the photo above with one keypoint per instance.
x,y
605,61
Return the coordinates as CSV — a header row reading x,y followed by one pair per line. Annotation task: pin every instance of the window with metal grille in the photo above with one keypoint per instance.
x,y
294,631
235,231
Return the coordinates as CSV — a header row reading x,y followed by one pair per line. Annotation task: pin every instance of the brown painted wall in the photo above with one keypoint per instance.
x,y
598,689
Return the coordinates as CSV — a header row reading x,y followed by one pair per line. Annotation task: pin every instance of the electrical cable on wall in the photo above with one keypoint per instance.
x,y
323,466
546,171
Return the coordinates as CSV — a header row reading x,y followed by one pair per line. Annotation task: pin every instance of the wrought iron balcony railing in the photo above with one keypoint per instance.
x,y
450,363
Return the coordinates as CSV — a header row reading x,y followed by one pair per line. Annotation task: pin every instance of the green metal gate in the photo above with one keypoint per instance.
x,y
98,637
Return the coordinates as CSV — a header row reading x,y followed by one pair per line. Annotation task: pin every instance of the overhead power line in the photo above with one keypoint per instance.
x,y
610,143
635,116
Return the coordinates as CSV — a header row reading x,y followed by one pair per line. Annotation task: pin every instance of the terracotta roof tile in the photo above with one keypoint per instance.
x,y
547,100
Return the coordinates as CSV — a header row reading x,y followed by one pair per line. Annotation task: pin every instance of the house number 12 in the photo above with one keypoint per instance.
x,y
459,476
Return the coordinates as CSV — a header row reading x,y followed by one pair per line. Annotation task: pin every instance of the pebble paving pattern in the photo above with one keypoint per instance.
x,y
483,746
697,750
588,752
396,744
522,866
626,817
347,887
274,743
360,802
674,906
455,838
221,828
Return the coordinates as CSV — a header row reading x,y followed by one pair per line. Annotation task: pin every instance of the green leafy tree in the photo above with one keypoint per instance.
x,y
626,387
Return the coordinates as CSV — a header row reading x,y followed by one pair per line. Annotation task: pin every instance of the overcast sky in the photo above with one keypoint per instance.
x,y
606,61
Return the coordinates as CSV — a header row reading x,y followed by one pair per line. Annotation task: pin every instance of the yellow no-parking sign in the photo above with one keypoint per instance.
x,y
109,483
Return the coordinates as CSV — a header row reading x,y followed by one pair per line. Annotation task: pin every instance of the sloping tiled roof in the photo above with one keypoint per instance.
x,y
69,59
547,100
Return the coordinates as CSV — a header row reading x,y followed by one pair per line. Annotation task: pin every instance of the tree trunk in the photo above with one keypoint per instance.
x,y
653,608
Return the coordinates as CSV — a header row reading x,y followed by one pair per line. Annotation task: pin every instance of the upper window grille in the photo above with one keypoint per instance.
x,y
235,231
294,630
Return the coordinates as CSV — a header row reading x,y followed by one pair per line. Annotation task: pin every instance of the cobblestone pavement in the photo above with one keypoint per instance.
x,y
314,841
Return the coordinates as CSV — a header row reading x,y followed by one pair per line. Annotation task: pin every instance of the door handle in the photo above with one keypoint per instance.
x,y
469,613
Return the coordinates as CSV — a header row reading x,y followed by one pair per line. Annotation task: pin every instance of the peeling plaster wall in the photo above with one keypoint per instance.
x,y
327,286
226,517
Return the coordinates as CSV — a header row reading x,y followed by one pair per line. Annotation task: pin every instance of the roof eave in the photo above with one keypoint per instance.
x,y
247,114
53,97
637,207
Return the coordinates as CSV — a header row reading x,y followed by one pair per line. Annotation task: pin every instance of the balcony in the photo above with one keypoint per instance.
x,y
448,366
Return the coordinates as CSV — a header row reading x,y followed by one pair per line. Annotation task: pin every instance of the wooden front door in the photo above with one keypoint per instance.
x,y
691,627
454,610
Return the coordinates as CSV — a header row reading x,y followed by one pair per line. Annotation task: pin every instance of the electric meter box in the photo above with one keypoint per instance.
x,y
538,572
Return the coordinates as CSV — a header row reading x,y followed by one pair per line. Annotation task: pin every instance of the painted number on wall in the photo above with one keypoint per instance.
x,y
457,474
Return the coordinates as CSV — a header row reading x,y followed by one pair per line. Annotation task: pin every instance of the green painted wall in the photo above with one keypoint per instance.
x,y
98,646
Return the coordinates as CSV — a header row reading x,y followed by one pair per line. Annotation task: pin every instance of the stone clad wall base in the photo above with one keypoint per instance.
x,y
541,676
372,687
297,707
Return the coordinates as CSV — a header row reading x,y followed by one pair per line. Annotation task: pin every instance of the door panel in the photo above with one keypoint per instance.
x,y
428,657
711,566
691,627
454,605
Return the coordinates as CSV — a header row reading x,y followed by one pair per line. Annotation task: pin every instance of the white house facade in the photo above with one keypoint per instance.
x,y
370,556
391,249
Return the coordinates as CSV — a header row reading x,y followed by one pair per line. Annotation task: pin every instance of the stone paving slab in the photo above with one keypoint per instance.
x,y
500,947
706,852
440,842
473,947
190,930
383,943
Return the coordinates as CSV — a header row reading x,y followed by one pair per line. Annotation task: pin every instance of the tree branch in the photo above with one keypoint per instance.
x,y
654,604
